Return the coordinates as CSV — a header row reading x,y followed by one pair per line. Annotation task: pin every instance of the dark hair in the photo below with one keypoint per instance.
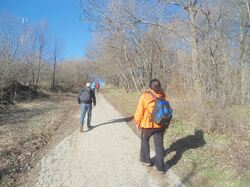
x,y
155,85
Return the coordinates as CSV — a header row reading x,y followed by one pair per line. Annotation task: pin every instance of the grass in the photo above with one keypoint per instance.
x,y
124,101
200,159
241,111
25,129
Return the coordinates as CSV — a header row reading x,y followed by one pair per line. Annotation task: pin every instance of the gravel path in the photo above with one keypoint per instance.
x,y
107,155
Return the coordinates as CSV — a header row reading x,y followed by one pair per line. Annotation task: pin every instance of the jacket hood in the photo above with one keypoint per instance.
x,y
160,94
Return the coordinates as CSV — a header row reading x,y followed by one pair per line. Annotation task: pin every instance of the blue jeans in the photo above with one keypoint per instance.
x,y
85,108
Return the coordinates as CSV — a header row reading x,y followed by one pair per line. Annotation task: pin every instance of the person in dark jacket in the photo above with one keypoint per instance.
x,y
86,98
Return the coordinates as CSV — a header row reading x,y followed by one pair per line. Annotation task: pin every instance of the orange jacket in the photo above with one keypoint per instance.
x,y
143,114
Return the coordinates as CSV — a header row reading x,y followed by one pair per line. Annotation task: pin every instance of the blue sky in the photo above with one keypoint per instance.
x,y
62,16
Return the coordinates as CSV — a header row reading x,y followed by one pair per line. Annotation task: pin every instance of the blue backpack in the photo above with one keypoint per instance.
x,y
162,112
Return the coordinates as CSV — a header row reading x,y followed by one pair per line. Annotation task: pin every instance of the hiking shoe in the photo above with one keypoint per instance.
x,y
161,172
81,129
145,163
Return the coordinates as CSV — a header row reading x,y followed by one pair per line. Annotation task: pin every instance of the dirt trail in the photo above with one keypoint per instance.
x,y
107,155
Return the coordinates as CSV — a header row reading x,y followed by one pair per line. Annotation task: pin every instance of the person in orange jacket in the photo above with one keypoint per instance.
x,y
144,122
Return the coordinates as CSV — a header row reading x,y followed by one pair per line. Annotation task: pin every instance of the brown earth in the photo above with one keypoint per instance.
x,y
29,130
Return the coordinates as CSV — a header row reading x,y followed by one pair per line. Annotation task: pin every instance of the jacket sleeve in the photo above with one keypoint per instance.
x,y
93,97
138,116
78,98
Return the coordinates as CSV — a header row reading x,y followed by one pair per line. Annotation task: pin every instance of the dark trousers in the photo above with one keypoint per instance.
x,y
158,142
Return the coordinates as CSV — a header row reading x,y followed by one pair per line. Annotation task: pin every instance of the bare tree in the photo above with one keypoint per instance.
x,y
57,48
10,35
41,43
199,49
23,56
243,61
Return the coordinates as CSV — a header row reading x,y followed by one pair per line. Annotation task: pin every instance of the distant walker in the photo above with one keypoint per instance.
x,y
85,99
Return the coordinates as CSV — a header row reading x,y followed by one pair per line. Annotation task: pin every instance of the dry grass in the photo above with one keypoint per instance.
x,y
122,100
205,157
26,128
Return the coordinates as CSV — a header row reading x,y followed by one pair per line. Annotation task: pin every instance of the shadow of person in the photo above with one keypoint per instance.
x,y
119,120
182,145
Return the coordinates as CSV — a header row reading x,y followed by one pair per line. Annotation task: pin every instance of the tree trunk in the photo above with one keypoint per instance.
x,y
242,67
195,54
2,96
54,75
38,72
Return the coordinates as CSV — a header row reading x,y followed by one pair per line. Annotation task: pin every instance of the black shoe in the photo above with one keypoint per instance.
x,y
90,127
161,171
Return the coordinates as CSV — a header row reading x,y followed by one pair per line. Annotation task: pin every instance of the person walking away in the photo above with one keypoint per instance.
x,y
93,86
85,98
146,123
97,87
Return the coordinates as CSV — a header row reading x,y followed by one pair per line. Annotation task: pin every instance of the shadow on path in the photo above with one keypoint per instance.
x,y
127,119
182,145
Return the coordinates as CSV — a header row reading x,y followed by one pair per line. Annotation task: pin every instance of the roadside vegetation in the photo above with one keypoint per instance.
x,y
27,127
199,50
31,59
198,156
33,100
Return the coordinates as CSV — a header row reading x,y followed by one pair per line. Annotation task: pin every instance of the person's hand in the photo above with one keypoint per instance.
x,y
138,127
